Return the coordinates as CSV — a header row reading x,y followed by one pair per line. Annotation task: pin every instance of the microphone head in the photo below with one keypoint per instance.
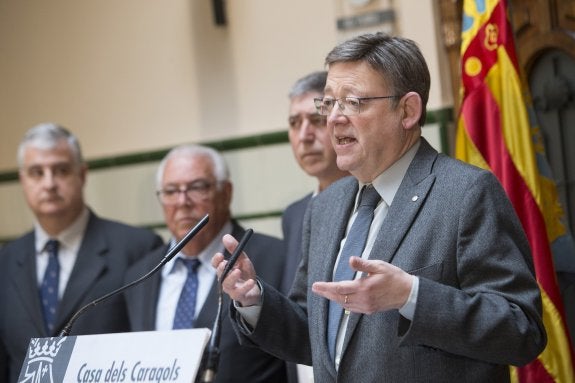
x,y
236,254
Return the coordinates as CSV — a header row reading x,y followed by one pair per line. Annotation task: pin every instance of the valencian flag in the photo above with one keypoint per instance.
x,y
497,131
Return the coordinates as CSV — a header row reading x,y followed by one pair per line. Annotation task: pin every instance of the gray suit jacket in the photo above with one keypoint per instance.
x,y
478,307
108,248
237,363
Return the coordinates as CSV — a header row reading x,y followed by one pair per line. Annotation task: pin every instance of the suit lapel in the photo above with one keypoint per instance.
x,y
91,262
209,309
407,202
148,293
400,216
26,282
330,228
292,225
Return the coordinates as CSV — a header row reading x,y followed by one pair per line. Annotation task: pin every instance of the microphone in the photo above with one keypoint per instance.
x,y
171,253
212,357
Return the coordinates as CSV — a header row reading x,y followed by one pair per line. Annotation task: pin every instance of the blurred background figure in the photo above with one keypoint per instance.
x,y
313,151
70,258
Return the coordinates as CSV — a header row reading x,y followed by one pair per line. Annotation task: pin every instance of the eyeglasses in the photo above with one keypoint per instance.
x,y
197,191
348,106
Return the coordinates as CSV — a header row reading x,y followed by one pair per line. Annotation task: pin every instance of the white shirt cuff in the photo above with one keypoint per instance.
x,y
251,314
408,309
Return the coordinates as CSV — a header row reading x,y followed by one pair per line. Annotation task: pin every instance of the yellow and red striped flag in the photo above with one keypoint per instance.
x,y
497,131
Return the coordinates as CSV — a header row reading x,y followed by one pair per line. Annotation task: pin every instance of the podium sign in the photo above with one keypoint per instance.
x,y
148,356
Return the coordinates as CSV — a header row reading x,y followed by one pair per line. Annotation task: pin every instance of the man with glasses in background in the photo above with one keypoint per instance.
x,y
193,181
414,270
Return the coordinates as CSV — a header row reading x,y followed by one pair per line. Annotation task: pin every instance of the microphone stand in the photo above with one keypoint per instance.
x,y
212,356
171,253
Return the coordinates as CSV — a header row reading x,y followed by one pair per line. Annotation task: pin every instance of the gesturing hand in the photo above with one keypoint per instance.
x,y
240,284
382,287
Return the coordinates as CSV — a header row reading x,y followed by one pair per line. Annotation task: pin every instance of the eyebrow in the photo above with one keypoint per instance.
x,y
346,89
315,113
177,184
51,165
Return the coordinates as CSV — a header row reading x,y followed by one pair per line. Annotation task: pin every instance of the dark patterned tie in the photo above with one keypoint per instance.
x,y
354,244
49,287
186,308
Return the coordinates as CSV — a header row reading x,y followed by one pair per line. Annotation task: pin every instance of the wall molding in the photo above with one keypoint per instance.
x,y
442,117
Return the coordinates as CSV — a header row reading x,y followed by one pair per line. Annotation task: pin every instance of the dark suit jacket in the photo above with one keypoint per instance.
x,y
292,226
107,249
478,307
237,363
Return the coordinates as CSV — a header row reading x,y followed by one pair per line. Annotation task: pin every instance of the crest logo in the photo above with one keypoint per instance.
x,y
491,36
40,358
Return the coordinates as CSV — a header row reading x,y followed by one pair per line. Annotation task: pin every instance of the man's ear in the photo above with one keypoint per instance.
x,y
411,110
83,172
228,189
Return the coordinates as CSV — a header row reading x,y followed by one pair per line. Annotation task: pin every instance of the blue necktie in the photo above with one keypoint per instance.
x,y
354,244
186,308
49,287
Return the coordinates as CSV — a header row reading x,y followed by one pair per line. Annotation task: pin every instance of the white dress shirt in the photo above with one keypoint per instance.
x,y
174,276
69,244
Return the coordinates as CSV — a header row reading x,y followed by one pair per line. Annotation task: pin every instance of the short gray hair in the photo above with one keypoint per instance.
x,y
220,167
47,136
398,59
313,82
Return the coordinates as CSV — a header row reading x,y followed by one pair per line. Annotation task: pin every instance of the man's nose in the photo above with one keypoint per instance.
x,y
183,198
336,115
307,130
48,179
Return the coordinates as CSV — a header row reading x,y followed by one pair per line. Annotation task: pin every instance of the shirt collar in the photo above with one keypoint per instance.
x,y
71,237
388,182
205,255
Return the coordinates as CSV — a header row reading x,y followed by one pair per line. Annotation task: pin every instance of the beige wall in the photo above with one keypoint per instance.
x,y
131,75
136,75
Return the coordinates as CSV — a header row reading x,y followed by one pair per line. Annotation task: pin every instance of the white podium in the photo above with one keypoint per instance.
x,y
148,356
